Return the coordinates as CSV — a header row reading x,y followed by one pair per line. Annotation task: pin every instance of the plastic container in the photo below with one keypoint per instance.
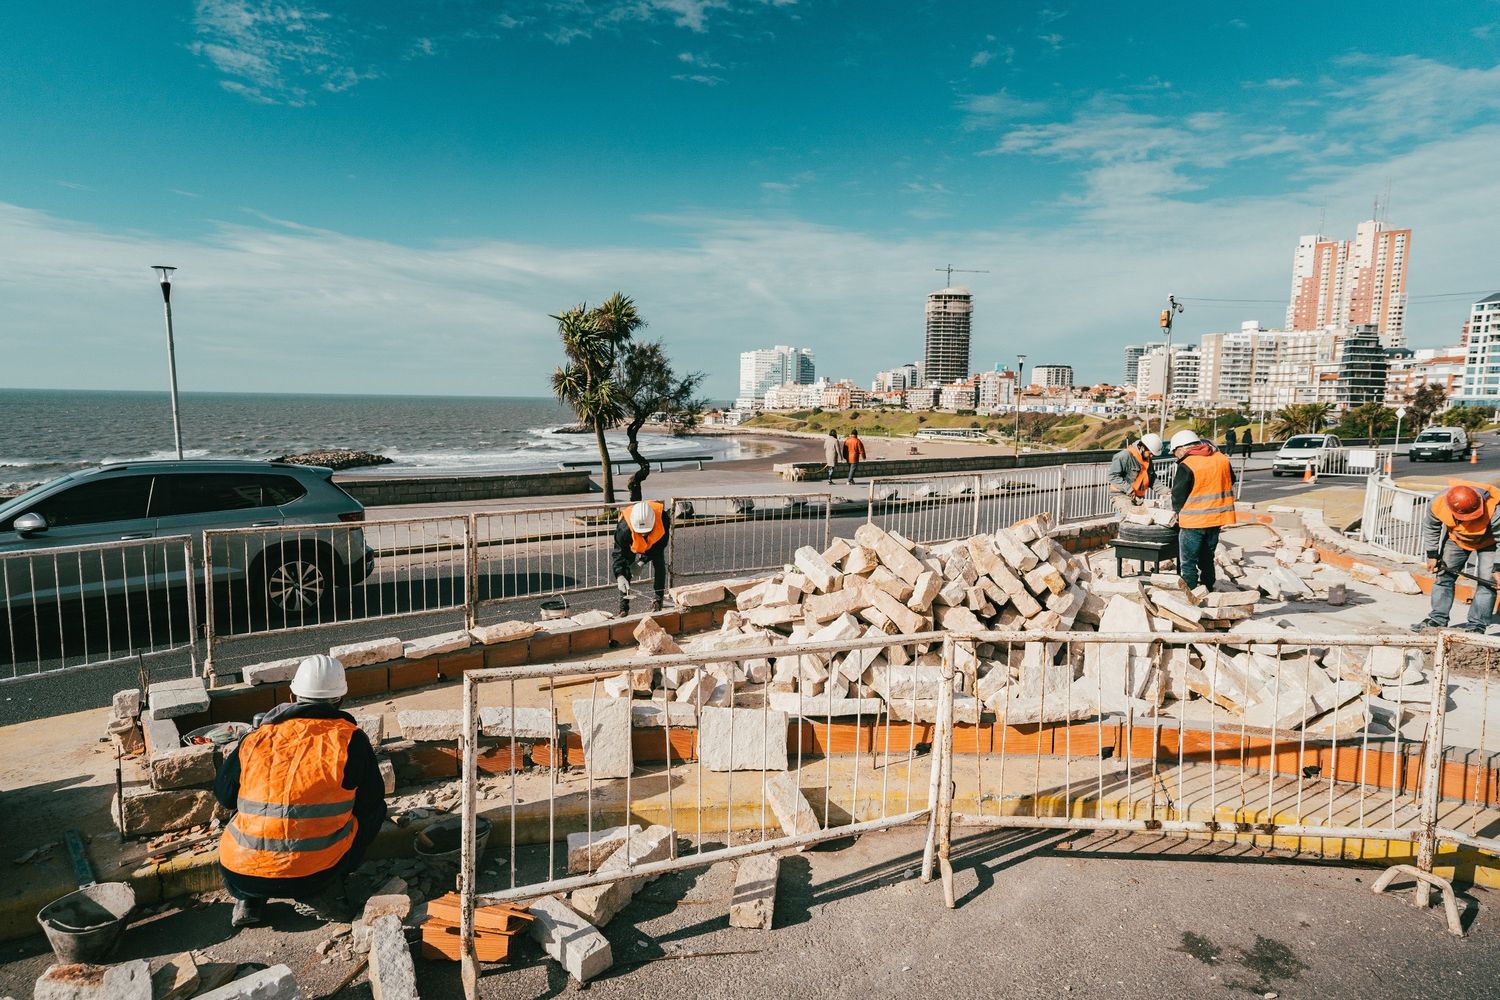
x,y
219,734
85,926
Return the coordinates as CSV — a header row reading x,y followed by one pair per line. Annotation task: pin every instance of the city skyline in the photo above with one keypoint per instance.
x,y
336,233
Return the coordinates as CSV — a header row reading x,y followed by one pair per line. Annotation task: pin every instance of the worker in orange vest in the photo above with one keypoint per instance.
x,y
1203,497
641,537
1461,523
854,453
307,798
1131,473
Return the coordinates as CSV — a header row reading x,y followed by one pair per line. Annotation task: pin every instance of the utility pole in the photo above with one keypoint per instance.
x,y
1167,316
948,281
166,301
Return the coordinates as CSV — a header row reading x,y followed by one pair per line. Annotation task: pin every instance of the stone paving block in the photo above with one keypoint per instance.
x,y
393,976
489,635
126,981
373,726
184,767
568,939
360,654
169,699
431,725
742,739
655,715
604,726
598,904
753,904
433,645
793,812
823,707
272,671
148,810
518,723
698,595
275,983
587,852
653,640
127,704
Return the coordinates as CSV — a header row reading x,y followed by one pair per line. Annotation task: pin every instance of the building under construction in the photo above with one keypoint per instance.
x,y
949,315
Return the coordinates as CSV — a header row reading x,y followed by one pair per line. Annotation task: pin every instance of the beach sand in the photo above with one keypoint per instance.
x,y
809,448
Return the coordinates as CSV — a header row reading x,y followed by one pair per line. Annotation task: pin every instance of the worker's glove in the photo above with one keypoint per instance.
x,y
622,585
1431,565
1135,501
640,560
1172,523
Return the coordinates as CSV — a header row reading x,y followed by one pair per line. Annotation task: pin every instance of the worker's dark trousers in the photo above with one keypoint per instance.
x,y
1451,560
658,561
1195,556
306,886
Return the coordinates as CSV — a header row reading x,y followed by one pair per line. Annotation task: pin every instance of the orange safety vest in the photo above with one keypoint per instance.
x,y
1466,538
1143,475
854,449
1211,504
640,543
294,816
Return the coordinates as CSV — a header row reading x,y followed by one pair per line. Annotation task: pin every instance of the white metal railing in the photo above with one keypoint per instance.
x,y
745,533
1353,462
1392,517
77,606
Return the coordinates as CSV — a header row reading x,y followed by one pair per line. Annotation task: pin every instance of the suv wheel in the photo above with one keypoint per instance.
x,y
296,583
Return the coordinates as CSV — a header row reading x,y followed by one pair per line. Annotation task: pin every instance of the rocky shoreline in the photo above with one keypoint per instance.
x,y
336,459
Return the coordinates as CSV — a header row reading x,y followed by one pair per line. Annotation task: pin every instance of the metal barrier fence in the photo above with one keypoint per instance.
x,y
1392,517
1353,462
744,533
543,551
1464,746
80,606
792,796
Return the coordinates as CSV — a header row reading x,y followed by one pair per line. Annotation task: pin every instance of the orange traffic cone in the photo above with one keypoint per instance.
x,y
1307,474
1473,456
1387,465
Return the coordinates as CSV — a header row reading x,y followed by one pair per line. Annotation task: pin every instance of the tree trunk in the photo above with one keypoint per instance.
x,y
609,473
643,467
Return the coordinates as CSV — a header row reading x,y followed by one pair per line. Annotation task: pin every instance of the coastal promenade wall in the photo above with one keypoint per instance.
x,y
388,491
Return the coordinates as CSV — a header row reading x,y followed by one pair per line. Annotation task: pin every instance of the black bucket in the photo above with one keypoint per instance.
x,y
85,926
440,843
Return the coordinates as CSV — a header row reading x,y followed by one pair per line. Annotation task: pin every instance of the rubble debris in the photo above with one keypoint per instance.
x,y
126,981
569,939
598,904
275,983
587,851
754,902
393,976
604,726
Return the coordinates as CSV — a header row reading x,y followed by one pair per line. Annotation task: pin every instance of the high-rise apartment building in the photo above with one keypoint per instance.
x,y
1186,372
1482,363
949,316
1358,282
897,379
770,367
1053,376
1133,354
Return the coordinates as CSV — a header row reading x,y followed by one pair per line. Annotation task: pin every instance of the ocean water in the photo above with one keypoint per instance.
x,y
46,433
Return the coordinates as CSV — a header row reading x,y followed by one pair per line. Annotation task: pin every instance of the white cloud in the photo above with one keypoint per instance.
x,y
981,58
271,52
708,80
1408,97
993,110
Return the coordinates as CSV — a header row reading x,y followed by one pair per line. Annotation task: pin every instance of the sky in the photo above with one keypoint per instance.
x,y
394,198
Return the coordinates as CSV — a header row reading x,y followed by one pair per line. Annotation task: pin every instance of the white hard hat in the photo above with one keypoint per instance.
x,y
1183,438
321,678
642,518
1153,442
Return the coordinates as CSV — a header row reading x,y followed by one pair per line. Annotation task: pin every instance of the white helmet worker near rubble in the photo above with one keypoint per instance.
x,y
1203,499
1461,523
640,538
307,798
1131,475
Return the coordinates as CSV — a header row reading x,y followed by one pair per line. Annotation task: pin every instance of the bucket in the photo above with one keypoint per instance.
x,y
219,734
442,843
554,608
84,926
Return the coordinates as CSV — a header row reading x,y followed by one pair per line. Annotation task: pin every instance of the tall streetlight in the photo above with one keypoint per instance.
x,y
1020,370
1167,315
166,301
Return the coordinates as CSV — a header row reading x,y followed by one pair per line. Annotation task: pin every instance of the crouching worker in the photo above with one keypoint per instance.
x,y
641,538
1131,473
307,798
1461,523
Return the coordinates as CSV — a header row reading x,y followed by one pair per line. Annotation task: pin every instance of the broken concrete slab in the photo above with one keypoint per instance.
x,y
598,904
656,714
170,699
275,983
183,767
742,739
360,654
126,981
569,939
517,723
603,724
587,851
431,725
434,645
753,904
698,595
793,812
126,704
147,810
812,565
393,976
799,705
489,635
653,640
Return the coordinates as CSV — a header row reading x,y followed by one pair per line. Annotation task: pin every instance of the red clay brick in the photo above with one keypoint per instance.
x,y
507,654
239,704
367,681
413,673
589,638
546,647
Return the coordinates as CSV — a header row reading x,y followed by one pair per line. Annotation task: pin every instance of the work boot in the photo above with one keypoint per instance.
x,y
248,913
1471,627
656,605
1428,623
624,608
330,906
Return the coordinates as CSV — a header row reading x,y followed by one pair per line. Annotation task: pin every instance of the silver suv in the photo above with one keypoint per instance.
x,y
275,574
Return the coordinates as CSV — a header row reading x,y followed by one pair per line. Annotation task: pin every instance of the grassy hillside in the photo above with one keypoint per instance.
x,y
1063,431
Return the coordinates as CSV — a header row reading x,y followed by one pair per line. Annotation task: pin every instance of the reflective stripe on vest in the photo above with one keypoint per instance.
x,y
1143,474
1466,538
640,543
294,816
1211,504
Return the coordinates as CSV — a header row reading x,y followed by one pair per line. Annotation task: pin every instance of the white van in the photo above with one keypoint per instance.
x,y
1301,450
1441,444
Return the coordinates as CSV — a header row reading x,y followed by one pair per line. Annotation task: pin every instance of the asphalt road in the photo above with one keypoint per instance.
x,y
1039,915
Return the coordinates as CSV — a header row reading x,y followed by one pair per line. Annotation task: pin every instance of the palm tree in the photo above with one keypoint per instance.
x,y
584,384
1301,418
648,386
1425,402
1369,420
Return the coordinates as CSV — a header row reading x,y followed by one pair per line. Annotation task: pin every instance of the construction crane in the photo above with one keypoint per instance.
x,y
961,270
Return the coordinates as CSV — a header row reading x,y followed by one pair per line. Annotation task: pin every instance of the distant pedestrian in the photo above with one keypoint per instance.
x,y
1230,440
833,453
854,453
1245,444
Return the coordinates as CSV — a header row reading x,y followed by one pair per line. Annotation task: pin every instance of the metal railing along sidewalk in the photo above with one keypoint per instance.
x,y
1392,517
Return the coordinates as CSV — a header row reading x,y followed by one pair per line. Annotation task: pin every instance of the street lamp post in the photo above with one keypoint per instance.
x,y
1167,315
166,301
1020,371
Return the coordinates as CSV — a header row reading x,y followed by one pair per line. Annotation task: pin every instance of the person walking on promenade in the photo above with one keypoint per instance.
x,y
1230,440
1203,497
1245,444
1131,474
833,452
854,453
1461,523
641,537
307,798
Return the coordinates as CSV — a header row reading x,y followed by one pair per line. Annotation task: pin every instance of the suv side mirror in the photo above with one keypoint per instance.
x,y
30,524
